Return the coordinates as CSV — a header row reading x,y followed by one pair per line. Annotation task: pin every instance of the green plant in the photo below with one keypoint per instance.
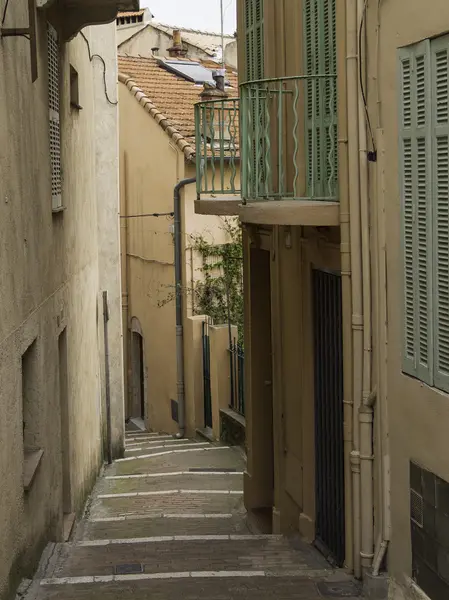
x,y
220,292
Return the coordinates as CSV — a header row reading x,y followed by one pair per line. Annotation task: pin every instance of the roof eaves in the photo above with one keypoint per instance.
x,y
162,120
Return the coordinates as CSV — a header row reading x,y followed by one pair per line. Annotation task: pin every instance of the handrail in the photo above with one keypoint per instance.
x,y
289,138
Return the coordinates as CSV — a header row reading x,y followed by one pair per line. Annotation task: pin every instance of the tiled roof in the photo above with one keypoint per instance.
x,y
132,13
207,41
168,98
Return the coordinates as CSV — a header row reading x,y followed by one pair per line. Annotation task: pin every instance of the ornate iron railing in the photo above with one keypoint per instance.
x,y
217,146
289,138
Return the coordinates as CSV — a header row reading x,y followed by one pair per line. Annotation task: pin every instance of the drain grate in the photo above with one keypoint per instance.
x,y
338,589
212,470
128,569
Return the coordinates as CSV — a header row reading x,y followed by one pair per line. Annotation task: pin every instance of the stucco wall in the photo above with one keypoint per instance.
x,y
103,43
150,37
49,280
418,414
150,168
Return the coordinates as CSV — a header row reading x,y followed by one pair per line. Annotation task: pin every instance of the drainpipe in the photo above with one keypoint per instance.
x,y
178,285
368,397
345,253
356,265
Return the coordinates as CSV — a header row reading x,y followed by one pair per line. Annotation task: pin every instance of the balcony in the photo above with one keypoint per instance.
x,y
218,156
74,15
289,151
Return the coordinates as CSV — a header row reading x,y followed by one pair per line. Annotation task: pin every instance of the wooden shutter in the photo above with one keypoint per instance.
x,y
54,120
416,197
254,39
319,22
440,173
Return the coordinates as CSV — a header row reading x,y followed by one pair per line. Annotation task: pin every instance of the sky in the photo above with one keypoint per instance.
x,y
195,14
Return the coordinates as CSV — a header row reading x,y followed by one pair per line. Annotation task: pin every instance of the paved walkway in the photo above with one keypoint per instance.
x,y
167,522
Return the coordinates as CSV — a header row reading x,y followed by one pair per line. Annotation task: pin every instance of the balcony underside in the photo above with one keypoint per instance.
x,y
74,15
313,213
225,206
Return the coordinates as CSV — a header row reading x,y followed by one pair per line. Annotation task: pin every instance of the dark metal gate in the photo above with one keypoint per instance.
x,y
206,376
329,449
237,355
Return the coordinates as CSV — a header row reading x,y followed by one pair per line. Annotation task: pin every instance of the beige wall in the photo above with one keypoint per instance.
x,y
49,274
417,414
151,165
291,254
151,37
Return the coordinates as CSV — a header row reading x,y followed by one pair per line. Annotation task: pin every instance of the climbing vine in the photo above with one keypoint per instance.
x,y
219,294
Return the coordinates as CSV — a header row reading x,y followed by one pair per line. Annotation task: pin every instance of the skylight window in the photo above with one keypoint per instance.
x,y
190,70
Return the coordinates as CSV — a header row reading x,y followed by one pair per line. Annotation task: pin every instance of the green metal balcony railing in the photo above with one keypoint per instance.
x,y
289,139
217,147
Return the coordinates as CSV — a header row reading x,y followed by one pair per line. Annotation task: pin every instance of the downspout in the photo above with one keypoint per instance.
x,y
179,316
345,253
368,398
356,265
382,349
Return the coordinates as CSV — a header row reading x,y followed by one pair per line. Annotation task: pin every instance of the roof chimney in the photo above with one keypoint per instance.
x,y
215,93
177,48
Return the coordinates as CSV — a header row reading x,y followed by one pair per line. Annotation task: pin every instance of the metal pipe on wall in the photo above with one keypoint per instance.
x,y
366,410
356,264
179,308
345,253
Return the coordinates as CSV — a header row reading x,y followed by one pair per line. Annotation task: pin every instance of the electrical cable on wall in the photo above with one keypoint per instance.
x,y
5,10
91,58
169,214
371,155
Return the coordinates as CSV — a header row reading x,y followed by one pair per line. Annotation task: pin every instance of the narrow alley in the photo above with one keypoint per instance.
x,y
168,522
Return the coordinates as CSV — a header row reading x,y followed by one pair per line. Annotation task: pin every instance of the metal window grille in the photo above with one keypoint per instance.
x,y
54,121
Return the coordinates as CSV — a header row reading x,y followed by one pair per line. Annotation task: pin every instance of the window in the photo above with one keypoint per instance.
x,y
54,121
74,89
254,39
424,173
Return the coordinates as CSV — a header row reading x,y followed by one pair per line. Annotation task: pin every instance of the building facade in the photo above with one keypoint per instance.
x,y
157,151
59,252
344,110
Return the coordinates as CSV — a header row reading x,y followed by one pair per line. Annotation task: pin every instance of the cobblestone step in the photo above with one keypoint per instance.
x,y
176,503
249,588
176,480
272,555
132,528
182,459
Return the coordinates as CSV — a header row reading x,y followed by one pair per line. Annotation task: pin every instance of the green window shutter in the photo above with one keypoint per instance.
x,y
440,174
254,39
415,150
319,23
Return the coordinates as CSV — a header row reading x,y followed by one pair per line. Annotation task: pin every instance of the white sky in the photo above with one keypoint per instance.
x,y
195,14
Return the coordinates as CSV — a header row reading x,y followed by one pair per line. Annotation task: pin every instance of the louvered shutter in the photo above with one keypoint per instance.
x,y
54,121
319,22
254,39
416,198
254,169
440,171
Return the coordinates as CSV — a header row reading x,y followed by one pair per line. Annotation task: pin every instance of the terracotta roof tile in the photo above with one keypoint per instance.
x,y
131,13
170,97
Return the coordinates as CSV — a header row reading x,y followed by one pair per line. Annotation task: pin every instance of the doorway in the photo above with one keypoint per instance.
x,y
68,515
259,495
138,377
329,444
